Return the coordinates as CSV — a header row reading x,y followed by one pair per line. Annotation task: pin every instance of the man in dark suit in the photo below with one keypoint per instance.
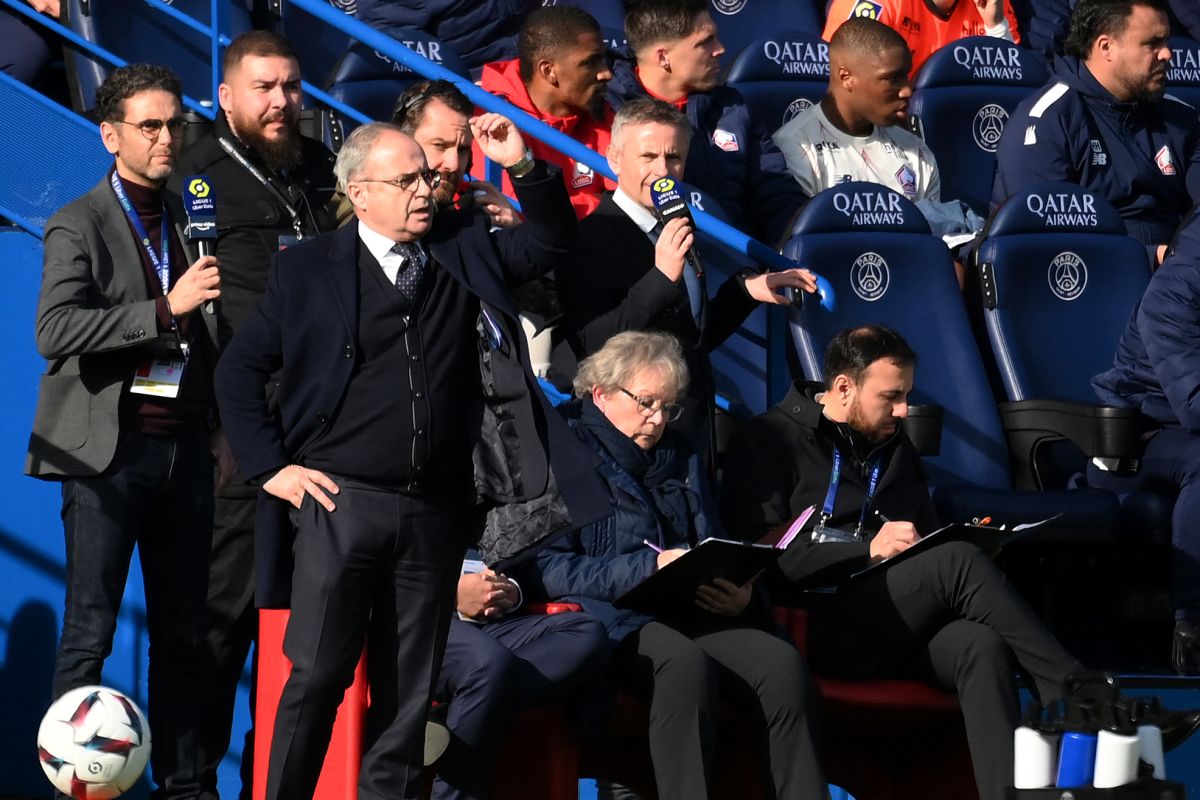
x,y
630,272
125,411
405,395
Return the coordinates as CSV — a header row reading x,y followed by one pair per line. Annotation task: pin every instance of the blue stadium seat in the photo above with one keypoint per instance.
x,y
781,75
318,45
135,32
962,98
1059,279
369,81
1183,76
740,22
875,247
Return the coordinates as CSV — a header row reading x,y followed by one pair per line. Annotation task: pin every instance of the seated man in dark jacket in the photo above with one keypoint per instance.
x,y
479,30
731,157
1106,123
1157,369
946,615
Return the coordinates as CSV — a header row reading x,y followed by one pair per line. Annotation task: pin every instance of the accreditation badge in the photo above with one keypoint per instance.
x,y
159,378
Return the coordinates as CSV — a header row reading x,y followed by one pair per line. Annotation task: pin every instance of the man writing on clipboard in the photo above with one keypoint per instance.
x,y
946,615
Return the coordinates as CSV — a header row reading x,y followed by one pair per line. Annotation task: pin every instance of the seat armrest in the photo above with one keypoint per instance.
x,y
924,428
1099,431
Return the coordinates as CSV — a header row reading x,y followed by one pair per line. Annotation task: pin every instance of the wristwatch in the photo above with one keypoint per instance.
x,y
522,167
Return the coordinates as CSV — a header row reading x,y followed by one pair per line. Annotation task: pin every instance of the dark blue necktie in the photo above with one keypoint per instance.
x,y
412,268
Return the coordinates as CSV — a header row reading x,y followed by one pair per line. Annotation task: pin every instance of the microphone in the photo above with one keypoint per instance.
x,y
669,205
200,207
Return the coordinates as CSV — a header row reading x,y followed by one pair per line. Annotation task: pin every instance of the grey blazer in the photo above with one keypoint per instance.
x,y
95,323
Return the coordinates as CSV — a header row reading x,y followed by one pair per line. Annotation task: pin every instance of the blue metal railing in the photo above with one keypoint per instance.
x,y
720,231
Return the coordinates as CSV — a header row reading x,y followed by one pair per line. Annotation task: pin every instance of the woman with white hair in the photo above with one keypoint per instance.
x,y
627,394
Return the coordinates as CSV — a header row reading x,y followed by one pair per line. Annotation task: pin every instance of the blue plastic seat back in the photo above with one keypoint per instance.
x,y
369,81
609,13
319,46
741,22
137,32
875,247
781,75
963,96
1183,76
1064,280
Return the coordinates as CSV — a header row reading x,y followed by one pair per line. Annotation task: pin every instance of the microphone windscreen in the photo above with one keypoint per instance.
x,y
199,204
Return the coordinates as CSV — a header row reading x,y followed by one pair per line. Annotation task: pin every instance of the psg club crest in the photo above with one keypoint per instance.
x,y
1067,276
729,7
869,277
988,126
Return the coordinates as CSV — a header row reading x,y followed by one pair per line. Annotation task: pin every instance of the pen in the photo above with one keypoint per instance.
x,y
652,545
882,517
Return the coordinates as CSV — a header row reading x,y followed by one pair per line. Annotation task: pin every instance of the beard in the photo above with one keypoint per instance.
x,y
443,195
874,433
277,154
595,106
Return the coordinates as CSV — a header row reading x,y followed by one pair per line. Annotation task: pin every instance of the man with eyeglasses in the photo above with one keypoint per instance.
x,y
126,418
271,187
409,423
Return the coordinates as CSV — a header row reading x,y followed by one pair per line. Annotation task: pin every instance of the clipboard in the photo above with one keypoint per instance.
x,y
672,589
986,538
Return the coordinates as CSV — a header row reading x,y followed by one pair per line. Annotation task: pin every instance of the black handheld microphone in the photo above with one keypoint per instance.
x,y
200,206
669,205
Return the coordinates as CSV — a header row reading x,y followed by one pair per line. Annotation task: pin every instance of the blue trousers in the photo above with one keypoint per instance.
x,y
492,671
1170,466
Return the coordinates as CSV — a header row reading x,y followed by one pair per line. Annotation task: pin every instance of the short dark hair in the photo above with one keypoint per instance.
x,y
124,82
257,43
410,105
865,35
651,21
854,350
547,32
1092,19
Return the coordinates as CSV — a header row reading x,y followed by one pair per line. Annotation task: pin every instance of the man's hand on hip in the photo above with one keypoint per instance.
x,y
294,481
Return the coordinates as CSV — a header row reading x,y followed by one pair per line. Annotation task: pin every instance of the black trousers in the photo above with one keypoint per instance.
x,y
680,671
949,617
158,494
232,629
382,568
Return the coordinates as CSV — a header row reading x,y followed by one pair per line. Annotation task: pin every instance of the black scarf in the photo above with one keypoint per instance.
x,y
661,471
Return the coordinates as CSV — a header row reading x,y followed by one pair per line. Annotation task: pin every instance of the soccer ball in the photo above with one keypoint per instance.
x,y
93,743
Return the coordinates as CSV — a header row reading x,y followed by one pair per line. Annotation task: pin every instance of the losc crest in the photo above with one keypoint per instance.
x,y
1067,276
988,126
869,277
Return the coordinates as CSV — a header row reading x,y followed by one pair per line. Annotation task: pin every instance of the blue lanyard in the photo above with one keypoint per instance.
x,y
835,478
162,265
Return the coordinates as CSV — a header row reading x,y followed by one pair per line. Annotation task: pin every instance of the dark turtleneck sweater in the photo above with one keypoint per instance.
x,y
191,410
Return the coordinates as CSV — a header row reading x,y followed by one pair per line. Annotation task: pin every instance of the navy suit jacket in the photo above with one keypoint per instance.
x,y
306,329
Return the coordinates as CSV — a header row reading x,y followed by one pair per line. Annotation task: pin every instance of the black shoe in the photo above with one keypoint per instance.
x,y
1185,647
1177,726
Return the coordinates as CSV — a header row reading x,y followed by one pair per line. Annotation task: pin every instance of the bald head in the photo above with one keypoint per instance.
x,y
868,76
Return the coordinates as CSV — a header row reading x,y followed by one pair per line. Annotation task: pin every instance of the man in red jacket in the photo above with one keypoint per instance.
x,y
559,76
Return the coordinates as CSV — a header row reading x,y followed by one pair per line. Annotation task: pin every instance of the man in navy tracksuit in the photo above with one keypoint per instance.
x,y
479,30
730,156
1106,124
1157,369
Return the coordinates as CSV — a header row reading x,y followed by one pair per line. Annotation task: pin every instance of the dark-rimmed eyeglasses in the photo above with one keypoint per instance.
x,y
408,183
152,128
648,406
